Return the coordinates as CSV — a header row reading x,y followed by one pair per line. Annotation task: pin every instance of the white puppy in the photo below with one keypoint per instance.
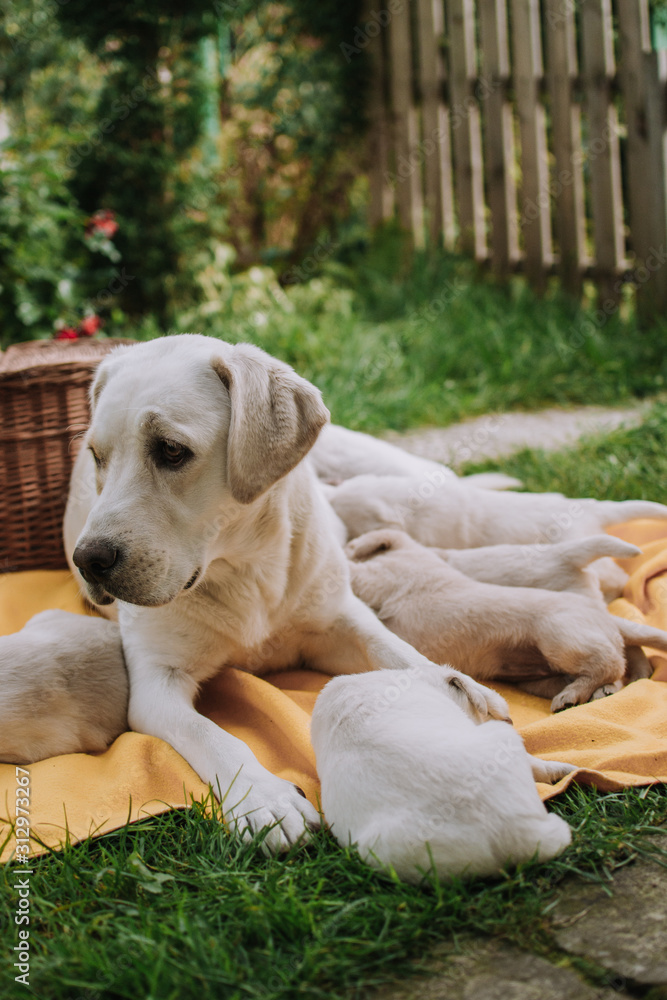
x,y
561,645
410,779
63,687
561,566
450,514
191,508
442,512
340,454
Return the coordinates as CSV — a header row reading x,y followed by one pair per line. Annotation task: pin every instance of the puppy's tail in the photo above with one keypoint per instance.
x,y
638,634
492,481
612,512
582,551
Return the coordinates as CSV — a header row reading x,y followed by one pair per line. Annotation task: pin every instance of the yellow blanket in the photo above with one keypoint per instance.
x,y
616,742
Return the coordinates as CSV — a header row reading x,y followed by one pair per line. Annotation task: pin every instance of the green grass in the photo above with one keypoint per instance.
x,y
396,346
173,908
626,464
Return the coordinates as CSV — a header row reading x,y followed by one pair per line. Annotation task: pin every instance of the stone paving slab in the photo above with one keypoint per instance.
x,y
493,971
496,435
625,932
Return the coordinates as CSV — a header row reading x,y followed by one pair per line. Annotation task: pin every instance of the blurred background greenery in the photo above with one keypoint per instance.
x,y
220,134
195,166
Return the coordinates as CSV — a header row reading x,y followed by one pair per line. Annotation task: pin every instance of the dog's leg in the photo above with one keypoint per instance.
x,y
161,704
549,771
544,687
599,678
638,665
357,641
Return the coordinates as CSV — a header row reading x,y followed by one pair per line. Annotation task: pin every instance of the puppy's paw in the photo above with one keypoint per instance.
x,y
566,699
605,690
476,700
581,690
550,771
276,804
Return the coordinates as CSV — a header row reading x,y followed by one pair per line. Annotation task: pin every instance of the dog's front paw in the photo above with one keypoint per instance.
x,y
550,771
476,700
274,803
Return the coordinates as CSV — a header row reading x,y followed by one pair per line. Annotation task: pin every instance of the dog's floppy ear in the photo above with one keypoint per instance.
x,y
372,543
276,417
103,373
96,386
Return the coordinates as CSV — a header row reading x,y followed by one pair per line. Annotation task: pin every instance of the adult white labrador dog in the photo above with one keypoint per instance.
x,y
191,508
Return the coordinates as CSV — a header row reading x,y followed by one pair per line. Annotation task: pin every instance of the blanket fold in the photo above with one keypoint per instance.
x,y
617,742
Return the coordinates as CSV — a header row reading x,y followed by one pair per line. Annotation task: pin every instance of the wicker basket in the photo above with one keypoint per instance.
x,y
43,412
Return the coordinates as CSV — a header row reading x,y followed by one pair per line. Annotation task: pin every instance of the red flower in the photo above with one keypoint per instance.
x,y
66,333
107,229
90,325
102,221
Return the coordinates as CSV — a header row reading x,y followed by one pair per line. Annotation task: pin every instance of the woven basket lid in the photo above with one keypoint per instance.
x,y
34,356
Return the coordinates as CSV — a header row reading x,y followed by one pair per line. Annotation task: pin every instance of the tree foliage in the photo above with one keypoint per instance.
x,y
197,124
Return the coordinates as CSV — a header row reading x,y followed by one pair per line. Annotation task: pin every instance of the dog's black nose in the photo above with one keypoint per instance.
x,y
94,560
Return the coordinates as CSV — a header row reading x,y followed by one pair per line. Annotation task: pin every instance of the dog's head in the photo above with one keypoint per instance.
x,y
187,434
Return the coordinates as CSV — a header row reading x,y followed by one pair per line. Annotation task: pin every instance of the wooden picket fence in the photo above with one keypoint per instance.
x,y
529,134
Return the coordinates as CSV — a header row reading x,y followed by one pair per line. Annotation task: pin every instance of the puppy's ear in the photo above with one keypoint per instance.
x,y
372,544
104,371
276,417
96,386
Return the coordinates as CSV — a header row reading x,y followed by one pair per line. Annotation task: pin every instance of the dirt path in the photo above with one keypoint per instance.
x,y
495,435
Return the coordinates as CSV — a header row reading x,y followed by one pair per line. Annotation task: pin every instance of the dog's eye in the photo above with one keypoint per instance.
x,y
96,457
173,453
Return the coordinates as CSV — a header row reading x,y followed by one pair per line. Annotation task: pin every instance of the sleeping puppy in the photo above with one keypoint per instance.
x,y
410,780
561,566
450,514
63,687
442,512
339,454
565,646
